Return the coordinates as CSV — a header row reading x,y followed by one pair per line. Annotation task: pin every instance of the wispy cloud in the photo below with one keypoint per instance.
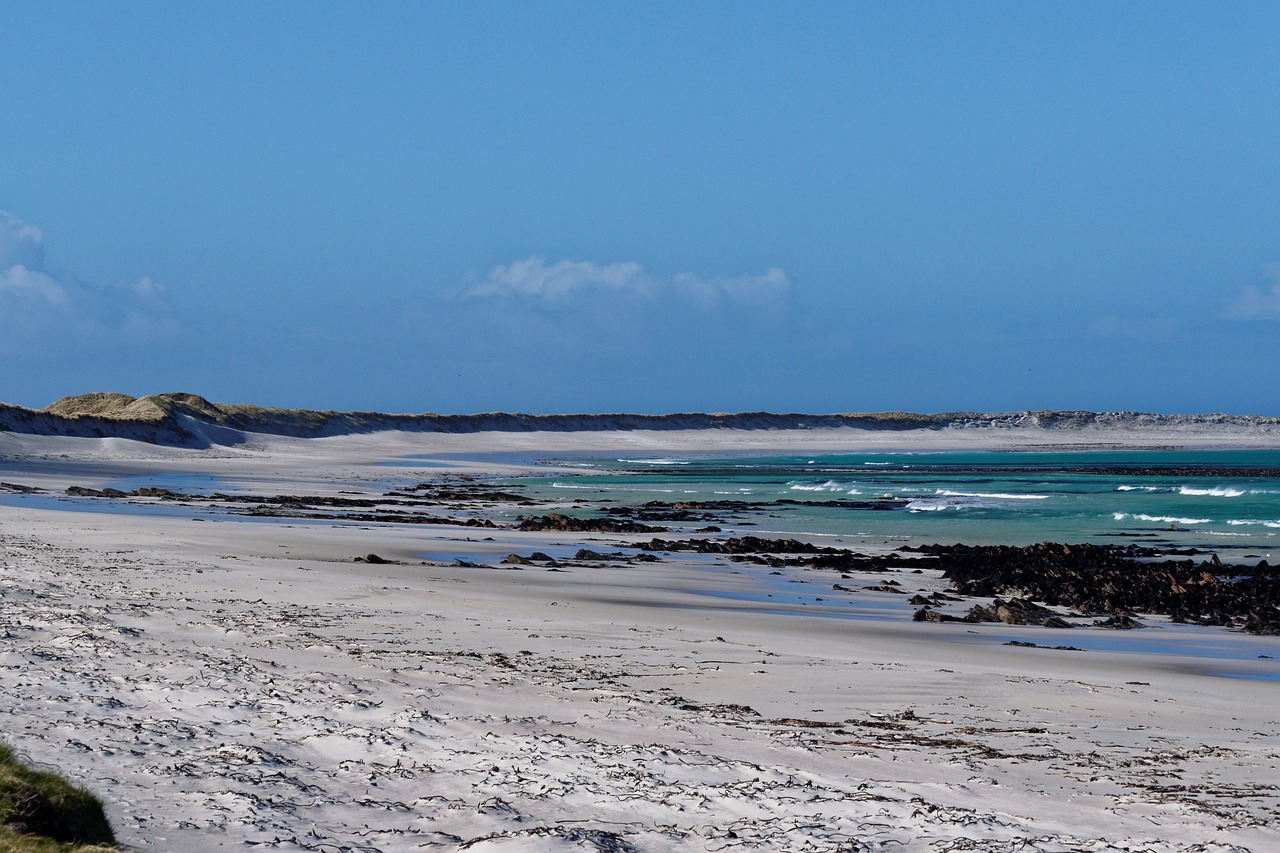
x,y
20,244
34,299
563,281
1259,303
1134,328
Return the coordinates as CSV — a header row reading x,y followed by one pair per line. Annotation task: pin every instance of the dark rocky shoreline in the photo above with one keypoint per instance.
x,y
1118,581
1109,584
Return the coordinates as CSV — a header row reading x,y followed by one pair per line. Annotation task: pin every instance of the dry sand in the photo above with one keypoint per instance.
x,y
241,683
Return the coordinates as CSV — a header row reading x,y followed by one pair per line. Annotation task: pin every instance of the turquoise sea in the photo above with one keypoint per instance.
x,y
1225,501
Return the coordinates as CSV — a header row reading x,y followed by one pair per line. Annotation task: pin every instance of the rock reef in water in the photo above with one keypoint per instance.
x,y
1111,581
188,420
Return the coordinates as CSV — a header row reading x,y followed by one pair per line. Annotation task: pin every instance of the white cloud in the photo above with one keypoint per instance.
x,y
20,244
19,282
32,298
1259,303
532,277
535,279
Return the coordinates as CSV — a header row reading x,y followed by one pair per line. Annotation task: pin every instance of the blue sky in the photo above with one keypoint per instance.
x,y
652,207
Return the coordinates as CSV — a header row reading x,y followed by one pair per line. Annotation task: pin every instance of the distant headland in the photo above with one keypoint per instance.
x,y
189,420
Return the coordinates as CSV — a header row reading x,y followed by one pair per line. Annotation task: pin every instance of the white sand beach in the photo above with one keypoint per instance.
x,y
230,682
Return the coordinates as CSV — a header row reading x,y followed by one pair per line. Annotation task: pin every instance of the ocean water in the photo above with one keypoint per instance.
x,y
1225,501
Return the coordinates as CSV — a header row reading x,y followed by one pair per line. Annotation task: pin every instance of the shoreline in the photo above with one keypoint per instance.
x,y
222,682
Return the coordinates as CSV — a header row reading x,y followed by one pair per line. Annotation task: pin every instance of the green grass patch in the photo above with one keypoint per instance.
x,y
40,812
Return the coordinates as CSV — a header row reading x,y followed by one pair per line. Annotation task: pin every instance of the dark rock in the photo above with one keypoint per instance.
x,y
84,492
587,555
153,492
1022,645
1016,611
924,614
569,524
1266,623
1119,622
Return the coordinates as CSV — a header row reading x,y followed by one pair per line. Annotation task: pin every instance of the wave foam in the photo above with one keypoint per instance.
x,y
927,505
1216,491
1163,519
655,461
1000,496
828,486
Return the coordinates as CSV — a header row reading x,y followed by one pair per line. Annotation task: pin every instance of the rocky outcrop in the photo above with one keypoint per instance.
x,y
1116,581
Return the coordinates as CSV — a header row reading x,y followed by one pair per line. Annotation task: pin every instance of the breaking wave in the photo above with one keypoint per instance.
x,y
828,486
1216,491
655,461
999,496
1163,519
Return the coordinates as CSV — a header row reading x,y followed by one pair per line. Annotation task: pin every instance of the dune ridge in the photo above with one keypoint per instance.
x,y
189,420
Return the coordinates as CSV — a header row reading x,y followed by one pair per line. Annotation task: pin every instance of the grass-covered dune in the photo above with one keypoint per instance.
x,y
40,812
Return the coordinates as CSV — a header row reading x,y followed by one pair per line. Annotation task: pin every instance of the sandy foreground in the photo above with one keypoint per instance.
x,y
228,682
